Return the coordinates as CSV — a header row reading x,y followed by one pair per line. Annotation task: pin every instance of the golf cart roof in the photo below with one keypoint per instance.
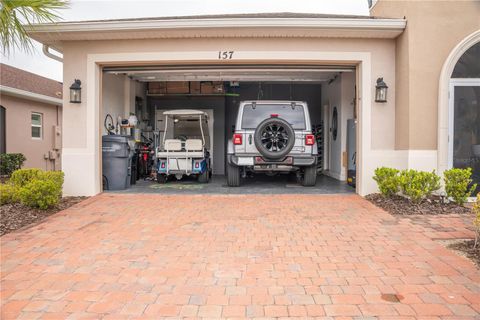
x,y
185,112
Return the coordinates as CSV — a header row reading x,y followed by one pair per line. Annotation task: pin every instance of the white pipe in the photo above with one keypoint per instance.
x,y
46,51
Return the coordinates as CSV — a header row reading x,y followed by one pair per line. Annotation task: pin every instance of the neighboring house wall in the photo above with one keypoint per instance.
x,y
19,133
434,28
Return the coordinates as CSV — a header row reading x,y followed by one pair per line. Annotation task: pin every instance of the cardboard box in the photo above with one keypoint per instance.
x,y
212,87
218,87
194,87
159,87
206,87
178,87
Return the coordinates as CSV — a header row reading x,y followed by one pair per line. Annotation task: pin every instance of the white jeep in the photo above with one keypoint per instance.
x,y
272,137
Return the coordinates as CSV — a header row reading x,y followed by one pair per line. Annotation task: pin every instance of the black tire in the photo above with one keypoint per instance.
x,y
204,177
277,142
309,178
161,178
233,175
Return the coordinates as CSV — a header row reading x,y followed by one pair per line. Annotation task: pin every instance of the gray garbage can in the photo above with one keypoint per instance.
x,y
116,162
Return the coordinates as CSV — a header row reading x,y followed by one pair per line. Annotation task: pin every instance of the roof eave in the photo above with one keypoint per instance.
x,y
52,33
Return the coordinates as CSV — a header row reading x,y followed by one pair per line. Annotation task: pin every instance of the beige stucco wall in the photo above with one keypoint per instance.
x,y
18,131
434,28
382,53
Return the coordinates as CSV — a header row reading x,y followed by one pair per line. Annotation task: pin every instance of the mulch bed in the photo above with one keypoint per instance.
x,y
465,248
15,216
400,205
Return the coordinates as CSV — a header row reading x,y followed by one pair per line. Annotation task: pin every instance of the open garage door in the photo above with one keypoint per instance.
x,y
262,73
218,90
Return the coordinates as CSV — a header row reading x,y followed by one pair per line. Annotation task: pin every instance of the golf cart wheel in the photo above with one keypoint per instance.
x,y
203,177
274,138
233,175
309,178
161,178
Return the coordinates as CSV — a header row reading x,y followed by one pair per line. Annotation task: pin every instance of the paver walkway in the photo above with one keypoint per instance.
x,y
236,256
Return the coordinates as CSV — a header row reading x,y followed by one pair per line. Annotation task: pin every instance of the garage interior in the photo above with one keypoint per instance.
x,y
148,91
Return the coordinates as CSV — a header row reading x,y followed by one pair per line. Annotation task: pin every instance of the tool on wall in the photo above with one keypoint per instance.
x,y
108,124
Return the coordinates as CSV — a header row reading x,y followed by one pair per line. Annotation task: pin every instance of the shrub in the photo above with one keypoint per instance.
x,y
54,176
387,180
10,162
34,188
21,177
417,185
8,193
476,221
40,193
456,184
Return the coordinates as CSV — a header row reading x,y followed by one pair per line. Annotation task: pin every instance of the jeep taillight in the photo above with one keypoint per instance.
x,y
309,139
237,139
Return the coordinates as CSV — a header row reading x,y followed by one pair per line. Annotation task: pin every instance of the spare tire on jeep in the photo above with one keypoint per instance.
x,y
274,138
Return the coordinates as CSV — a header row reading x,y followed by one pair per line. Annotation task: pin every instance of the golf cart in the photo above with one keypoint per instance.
x,y
184,147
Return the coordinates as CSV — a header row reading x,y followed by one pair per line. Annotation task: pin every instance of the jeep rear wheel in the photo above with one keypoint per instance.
x,y
309,178
233,175
274,138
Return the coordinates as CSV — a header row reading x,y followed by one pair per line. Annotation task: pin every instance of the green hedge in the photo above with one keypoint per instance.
x,y
417,185
457,182
10,162
33,187
387,180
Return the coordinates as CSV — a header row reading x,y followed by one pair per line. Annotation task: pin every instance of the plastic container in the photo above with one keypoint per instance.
x,y
116,162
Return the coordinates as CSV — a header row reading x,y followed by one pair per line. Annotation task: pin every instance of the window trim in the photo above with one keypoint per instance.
x,y
36,126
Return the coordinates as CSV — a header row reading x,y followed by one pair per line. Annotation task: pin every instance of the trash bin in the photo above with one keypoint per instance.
x,y
116,162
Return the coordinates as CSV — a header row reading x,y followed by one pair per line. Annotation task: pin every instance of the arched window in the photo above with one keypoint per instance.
x,y
468,66
464,142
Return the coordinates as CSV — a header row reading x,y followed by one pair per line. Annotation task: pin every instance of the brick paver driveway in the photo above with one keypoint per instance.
x,y
154,256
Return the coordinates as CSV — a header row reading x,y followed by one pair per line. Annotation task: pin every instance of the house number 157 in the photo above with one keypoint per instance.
x,y
225,55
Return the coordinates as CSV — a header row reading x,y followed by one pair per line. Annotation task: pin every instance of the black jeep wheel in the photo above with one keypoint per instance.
x,y
309,178
233,175
274,138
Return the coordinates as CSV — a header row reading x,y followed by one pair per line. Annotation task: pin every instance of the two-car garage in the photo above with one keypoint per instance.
x,y
144,67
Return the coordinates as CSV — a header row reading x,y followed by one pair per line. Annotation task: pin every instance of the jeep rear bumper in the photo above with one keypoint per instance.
x,y
259,163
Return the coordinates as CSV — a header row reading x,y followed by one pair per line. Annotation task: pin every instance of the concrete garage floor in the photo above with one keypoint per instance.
x,y
260,184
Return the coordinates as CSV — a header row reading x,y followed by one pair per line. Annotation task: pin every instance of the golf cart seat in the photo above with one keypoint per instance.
x,y
173,145
194,145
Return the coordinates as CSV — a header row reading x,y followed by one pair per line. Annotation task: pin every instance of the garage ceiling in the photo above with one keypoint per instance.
x,y
231,73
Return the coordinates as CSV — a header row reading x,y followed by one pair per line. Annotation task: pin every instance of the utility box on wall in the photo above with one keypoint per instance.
x,y
57,137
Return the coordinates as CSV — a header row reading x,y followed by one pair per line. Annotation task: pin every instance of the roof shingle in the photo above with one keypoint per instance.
x,y
20,79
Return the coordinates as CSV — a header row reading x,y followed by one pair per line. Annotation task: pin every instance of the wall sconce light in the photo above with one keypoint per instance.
x,y
76,92
381,91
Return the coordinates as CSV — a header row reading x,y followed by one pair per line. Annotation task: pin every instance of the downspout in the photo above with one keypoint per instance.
x,y
46,51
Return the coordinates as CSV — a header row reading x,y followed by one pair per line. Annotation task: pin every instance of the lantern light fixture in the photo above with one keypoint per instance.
x,y
76,92
381,91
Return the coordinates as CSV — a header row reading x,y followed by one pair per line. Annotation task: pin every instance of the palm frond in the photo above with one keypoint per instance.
x,y
15,14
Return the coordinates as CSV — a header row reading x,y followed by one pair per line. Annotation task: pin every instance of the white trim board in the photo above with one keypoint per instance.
x,y
30,95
